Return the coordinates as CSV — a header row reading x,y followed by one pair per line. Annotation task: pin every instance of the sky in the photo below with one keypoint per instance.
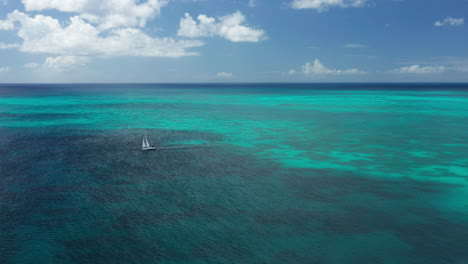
x,y
114,41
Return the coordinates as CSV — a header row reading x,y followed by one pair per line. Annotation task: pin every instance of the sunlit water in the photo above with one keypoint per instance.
x,y
363,174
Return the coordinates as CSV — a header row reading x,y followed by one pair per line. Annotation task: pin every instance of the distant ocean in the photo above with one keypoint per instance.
x,y
259,173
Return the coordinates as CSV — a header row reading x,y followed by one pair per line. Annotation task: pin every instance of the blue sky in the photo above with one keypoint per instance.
x,y
233,40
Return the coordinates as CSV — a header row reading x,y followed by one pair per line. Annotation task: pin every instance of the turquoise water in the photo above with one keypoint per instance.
x,y
336,173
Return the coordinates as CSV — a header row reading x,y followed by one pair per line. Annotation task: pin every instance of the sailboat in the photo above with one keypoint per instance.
x,y
146,146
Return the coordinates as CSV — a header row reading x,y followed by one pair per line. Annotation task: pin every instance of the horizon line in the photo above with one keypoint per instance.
x,y
230,83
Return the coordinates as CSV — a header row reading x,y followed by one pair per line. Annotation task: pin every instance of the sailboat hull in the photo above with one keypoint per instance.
x,y
148,148
145,145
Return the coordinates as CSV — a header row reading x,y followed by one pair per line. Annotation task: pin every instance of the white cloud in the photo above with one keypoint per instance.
x,y
447,63
110,28
7,24
44,34
8,46
226,75
4,69
106,14
59,63
252,3
317,68
416,69
229,27
450,21
354,46
64,63
32,65
321,5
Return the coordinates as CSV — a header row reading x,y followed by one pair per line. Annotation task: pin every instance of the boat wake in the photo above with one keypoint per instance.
x,y
183,147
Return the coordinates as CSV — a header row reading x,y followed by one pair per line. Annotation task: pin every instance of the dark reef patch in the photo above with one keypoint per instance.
x,y
40,116
333,186
102,200
222,251
119,249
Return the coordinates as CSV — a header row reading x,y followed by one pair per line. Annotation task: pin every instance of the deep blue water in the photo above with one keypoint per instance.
x,y
255,173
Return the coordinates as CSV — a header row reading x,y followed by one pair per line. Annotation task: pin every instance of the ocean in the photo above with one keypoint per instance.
x,y
252,173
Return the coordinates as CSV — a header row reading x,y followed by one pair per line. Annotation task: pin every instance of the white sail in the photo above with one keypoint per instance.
x,y
145,145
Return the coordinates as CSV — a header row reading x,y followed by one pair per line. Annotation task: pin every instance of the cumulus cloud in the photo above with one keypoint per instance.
x,y
105,13
416,69
4,69
32,65
7,24
354,46
225,75
64,63
317,68
44,34
8,46
321,5
110,28
229,27
59,63
450,21
445,63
